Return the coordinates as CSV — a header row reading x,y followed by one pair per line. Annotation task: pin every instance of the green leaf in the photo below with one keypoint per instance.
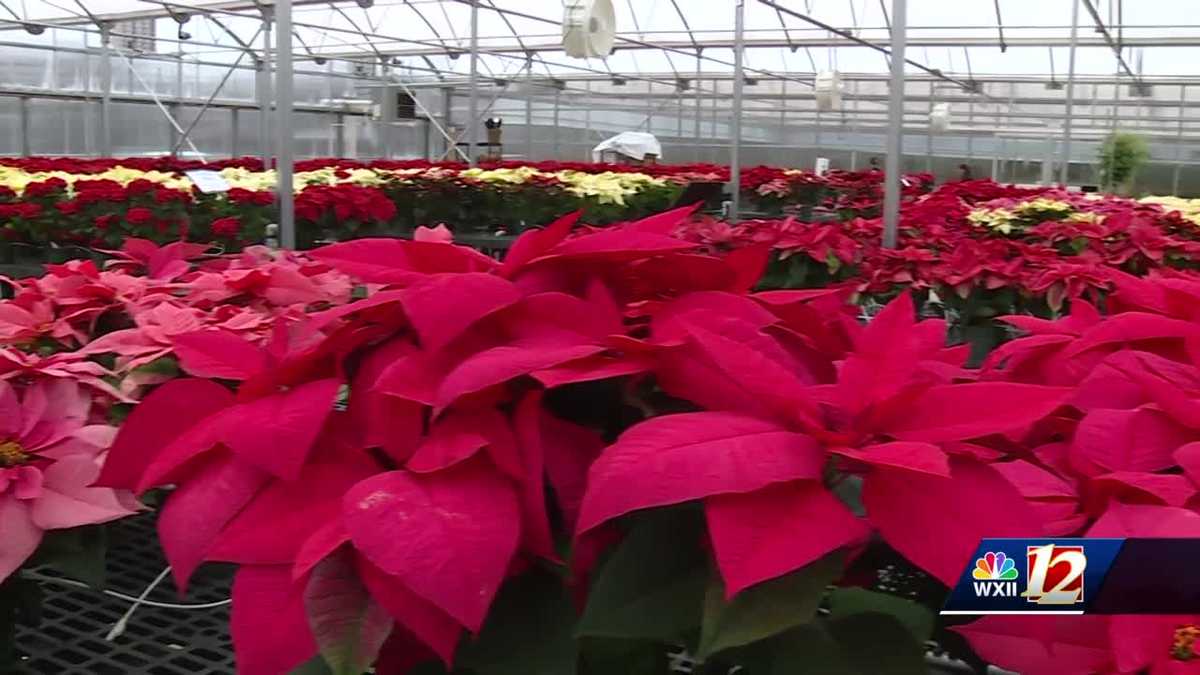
x,y
653,585
807,649
848,488
349,626
847,602
166,365
879,644
628,657
314,666
862,644
766,609
78,552
529,631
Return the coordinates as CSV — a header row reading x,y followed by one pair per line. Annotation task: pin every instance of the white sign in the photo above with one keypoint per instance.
x,y
822,166
208,182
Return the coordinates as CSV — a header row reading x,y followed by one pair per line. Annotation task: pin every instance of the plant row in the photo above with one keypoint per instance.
x,y
605,447
97,203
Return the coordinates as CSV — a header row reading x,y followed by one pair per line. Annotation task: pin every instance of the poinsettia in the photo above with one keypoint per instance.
x,y
49,457
894,412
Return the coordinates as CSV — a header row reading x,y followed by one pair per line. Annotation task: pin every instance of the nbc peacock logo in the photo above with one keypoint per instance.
x,y
995,576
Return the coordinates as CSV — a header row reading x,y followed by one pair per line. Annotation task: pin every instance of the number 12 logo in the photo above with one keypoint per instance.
x,y
1059,568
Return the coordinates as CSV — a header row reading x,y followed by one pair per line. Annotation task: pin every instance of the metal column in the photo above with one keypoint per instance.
x,y
895,131
783,139
339,135
448,120
587,119
473,107
283,107
854,128
650,107
971,128
1048,162
529,118
735,130
105,91
264,93
678,115
929,133
1179,142
23,112
1066,153
177,108
233,131
557,102
699,108
996,158
387,110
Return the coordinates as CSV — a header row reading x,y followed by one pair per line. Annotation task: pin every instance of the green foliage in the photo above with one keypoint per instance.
x,y
529,631
654,584
767,609
1121,154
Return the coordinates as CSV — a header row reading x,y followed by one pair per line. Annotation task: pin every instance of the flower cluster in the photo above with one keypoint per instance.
x,y
609,441
97,203
1123,460
974,240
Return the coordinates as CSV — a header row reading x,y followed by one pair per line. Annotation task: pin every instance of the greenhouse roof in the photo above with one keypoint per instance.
x,y
784,38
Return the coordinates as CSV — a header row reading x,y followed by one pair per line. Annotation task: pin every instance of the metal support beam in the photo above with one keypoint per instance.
x,y
529,119
387,110
207,104
929,134
699,107
735,129
895,133
1115,45
283,107
448,120
587,122
650,107
23,115
1066,153
264,93
557,108
1179,144
473,107
234,120
339,135
105,91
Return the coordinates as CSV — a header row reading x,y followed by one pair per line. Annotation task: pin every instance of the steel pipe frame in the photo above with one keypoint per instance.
x,y
440,49
148,99
895,131
735,132
264,91
628,43
1070,102
283,109
105,91
473,106
207,103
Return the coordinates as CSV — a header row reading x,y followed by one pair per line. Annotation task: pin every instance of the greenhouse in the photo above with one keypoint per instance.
x,y
599,337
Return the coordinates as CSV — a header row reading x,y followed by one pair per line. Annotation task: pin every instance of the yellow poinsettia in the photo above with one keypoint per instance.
x,y
1188,208
608,187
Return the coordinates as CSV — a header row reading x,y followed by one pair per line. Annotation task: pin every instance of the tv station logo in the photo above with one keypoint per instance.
x,y
1027,576
1053,574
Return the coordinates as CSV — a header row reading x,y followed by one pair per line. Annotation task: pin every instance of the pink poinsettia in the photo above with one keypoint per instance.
x,y
153,336
49,458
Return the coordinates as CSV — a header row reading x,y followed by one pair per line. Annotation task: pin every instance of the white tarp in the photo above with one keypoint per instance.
x,y
634,144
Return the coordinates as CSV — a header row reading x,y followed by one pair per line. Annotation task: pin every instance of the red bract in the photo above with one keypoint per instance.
x,y
448,347
888,415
